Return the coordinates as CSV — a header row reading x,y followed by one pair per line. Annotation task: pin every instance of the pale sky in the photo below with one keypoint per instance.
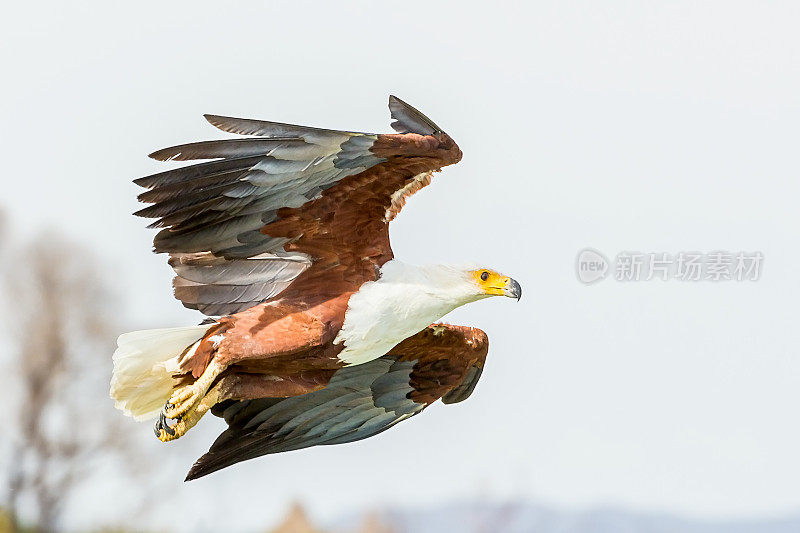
x,y
656,127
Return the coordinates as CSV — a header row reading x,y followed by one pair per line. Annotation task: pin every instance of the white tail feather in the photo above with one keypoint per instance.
x,y
144,364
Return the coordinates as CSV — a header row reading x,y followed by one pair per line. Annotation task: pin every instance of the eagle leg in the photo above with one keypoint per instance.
x,y
166,432
234,387
186,398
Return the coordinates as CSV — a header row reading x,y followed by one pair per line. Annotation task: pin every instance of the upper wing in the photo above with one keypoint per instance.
x,y
360,401
289,199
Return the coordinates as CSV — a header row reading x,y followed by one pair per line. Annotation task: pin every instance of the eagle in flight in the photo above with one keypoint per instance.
x,y
316,333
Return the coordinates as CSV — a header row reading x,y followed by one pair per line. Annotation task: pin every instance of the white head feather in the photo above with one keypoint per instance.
x,y
405,300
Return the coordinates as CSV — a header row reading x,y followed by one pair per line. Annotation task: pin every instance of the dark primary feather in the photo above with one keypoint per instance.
x,y
265,128
408,119
198,170
180,189
225,148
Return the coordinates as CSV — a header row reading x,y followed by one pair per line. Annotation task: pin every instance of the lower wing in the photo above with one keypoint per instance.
x,y
442,361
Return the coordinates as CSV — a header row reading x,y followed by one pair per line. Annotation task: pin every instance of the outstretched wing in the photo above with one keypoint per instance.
x,y
359,401
284,201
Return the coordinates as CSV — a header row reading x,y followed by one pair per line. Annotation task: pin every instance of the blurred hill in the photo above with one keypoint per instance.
x,y
529,518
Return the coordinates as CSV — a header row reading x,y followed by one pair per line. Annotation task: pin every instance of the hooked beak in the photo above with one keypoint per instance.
x,y
513,289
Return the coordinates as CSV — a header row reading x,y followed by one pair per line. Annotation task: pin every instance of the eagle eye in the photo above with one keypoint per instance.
x,y
484,276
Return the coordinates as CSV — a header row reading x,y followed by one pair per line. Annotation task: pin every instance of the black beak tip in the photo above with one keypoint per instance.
x,y
516,289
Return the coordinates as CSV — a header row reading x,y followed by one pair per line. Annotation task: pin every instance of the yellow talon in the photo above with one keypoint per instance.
x,y
186,421
187,397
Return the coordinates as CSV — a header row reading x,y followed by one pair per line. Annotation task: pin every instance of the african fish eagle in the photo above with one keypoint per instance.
x,y
318,335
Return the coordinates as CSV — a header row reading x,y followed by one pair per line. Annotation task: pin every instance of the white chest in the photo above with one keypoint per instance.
x,y
385,312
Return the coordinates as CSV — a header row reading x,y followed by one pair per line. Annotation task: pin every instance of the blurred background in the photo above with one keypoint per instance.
x,y
650,406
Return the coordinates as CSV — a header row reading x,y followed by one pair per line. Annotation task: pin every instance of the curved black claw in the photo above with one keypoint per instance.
x,y
162,423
